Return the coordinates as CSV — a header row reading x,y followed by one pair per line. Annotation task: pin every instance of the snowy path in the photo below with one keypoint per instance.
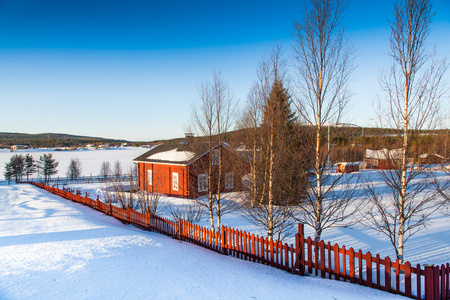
x,y
55,249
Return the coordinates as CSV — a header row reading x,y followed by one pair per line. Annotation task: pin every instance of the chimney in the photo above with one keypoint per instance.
x,y
189,138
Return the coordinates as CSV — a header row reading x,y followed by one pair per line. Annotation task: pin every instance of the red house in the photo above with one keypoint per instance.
x,y
383,158
182,169
347,167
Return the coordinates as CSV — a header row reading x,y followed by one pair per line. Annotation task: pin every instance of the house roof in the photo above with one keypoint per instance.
x,y
384,153
180,154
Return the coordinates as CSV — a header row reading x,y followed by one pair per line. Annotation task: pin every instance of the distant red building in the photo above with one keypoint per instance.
x,y
383,158
181,169
347,167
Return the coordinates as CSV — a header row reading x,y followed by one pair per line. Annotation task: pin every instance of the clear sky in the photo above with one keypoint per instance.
x,y
129,69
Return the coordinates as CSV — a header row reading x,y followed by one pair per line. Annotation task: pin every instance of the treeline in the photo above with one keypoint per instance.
x,y
52,140
20,166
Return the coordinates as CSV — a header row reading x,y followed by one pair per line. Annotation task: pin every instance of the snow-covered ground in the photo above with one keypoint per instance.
x,y
430,246
52,248
91,160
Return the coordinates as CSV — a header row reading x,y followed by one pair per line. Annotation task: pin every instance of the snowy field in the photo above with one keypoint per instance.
x,y
53,248
91,160
430,246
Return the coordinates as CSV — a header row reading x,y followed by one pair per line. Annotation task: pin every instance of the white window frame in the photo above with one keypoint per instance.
x,y
215,157
150,177
229,181
175,181
202,183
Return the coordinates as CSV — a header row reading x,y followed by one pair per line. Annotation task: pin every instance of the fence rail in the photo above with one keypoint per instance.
x,y
305,256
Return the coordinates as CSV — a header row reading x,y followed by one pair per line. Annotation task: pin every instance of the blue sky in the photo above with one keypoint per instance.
x,y
130,69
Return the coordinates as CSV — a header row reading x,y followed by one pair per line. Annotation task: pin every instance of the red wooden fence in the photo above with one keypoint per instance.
x,y
306,256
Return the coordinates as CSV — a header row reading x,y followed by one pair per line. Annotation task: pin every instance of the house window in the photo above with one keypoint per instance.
x,y
150,177
215,159
229,181
175,181
202,183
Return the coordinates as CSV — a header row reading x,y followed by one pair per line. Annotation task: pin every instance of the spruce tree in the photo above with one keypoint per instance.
x,y
8,172
17,165
30,165
279,120
279,106
47,166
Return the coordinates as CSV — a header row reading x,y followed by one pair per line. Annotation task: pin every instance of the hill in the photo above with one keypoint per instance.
x,y
51,140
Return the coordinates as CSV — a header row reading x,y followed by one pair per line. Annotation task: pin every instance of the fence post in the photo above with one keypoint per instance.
x,y
180,234
429,283
224,241
147,214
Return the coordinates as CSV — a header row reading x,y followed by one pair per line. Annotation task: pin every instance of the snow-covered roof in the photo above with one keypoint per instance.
x,y
384,153
172,155
355,163
425,155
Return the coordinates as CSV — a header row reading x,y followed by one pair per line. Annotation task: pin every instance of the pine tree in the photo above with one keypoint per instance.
x,y
30,165
16,165
8,172
47,166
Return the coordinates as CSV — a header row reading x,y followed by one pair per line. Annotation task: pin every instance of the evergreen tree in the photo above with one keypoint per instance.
x,y
8,172
279,119
47,166
16,167
279,106
30,165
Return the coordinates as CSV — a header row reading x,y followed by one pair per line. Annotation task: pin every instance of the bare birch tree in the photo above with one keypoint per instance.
x,y
74,169
324,63
413,91
213,116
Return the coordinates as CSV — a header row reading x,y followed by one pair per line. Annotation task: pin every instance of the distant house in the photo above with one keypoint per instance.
x,y
181,169
18,147
383,158
431,159
347,167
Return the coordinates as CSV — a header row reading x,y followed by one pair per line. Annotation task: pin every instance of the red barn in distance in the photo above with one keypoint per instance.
x,y
383,158
347,167
182,169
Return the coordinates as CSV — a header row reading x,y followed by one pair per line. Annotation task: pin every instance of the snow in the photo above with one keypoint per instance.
x,y
172,155
50,246
56,249
91,160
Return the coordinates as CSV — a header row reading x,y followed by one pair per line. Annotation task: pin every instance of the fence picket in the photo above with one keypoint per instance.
x,y
351,255
336,262
387,274
369,268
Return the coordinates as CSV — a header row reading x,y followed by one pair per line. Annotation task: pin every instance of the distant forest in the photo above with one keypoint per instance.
x,y
8,139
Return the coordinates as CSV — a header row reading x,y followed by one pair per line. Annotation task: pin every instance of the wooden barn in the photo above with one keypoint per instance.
x,y
383,158
182,169
347,167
